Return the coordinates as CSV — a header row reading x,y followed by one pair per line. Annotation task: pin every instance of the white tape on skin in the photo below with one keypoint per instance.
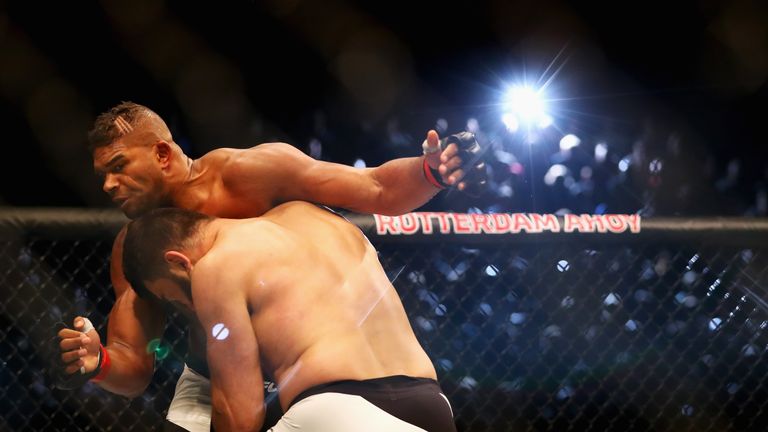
x,y
427,149
87,326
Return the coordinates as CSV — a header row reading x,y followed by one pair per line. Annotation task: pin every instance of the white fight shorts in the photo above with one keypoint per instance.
x,y
191,404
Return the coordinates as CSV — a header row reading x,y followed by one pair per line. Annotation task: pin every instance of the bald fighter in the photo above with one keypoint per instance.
x,y
142,168
298,293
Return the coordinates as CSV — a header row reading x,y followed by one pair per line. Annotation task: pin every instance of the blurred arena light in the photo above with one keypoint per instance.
x,y
569,141
555,171
624,163
601,151
473,125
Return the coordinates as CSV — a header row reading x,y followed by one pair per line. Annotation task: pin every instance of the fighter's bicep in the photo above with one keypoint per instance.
x,y
133,321
119,282
287,174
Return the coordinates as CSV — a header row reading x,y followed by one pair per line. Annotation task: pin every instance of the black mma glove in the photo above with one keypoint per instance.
x,y
472,163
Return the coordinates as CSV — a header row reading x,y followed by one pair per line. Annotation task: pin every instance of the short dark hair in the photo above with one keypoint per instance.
x,y
104,131
147,239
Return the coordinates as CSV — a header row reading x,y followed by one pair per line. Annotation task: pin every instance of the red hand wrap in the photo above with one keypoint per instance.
x,y
104,365
429,174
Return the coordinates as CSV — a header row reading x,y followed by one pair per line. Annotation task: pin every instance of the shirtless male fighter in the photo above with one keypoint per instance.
x,y
298,293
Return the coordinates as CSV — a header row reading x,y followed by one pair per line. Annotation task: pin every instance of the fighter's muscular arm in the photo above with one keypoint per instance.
x,y
133,322
396,187
237,385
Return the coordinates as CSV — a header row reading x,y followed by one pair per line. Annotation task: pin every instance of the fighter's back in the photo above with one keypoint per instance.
x,y
321,306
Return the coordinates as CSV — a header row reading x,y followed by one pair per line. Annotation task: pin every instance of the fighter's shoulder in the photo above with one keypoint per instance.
x,y
239,155
218,268
264,159
117,245
119,283
219,156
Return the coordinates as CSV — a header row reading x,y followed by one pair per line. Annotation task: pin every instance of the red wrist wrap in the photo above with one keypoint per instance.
x,y
104,365
429,174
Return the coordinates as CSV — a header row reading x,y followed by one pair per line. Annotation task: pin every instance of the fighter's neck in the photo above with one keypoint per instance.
x,y
187,185
188,163
206,238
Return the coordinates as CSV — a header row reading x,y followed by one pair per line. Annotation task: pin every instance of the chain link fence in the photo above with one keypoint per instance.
x,y
528,332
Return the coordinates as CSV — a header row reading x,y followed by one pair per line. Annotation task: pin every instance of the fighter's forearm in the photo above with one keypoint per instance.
x,y
404,186
129,374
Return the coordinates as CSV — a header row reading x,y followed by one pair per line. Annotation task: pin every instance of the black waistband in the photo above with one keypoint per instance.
x,y
198,365
390,385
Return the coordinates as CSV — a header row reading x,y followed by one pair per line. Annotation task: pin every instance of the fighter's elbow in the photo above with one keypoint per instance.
x,y
128,388
379,199
246,425
384,201
142,382
246,419
132,386
133,393
238,423
141,371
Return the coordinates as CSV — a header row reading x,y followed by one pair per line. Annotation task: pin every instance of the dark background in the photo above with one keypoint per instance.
x,y
685,80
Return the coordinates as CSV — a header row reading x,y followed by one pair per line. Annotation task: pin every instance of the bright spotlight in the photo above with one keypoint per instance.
x,y
524,102
527,106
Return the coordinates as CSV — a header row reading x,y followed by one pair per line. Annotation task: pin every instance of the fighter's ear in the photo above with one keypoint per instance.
x,y
178,258
163,152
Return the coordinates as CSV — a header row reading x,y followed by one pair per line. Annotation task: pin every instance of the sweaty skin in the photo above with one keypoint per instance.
x,y
302,296
144,169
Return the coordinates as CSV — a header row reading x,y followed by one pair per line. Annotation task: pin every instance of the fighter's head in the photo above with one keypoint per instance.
x,y
133,152
158,254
